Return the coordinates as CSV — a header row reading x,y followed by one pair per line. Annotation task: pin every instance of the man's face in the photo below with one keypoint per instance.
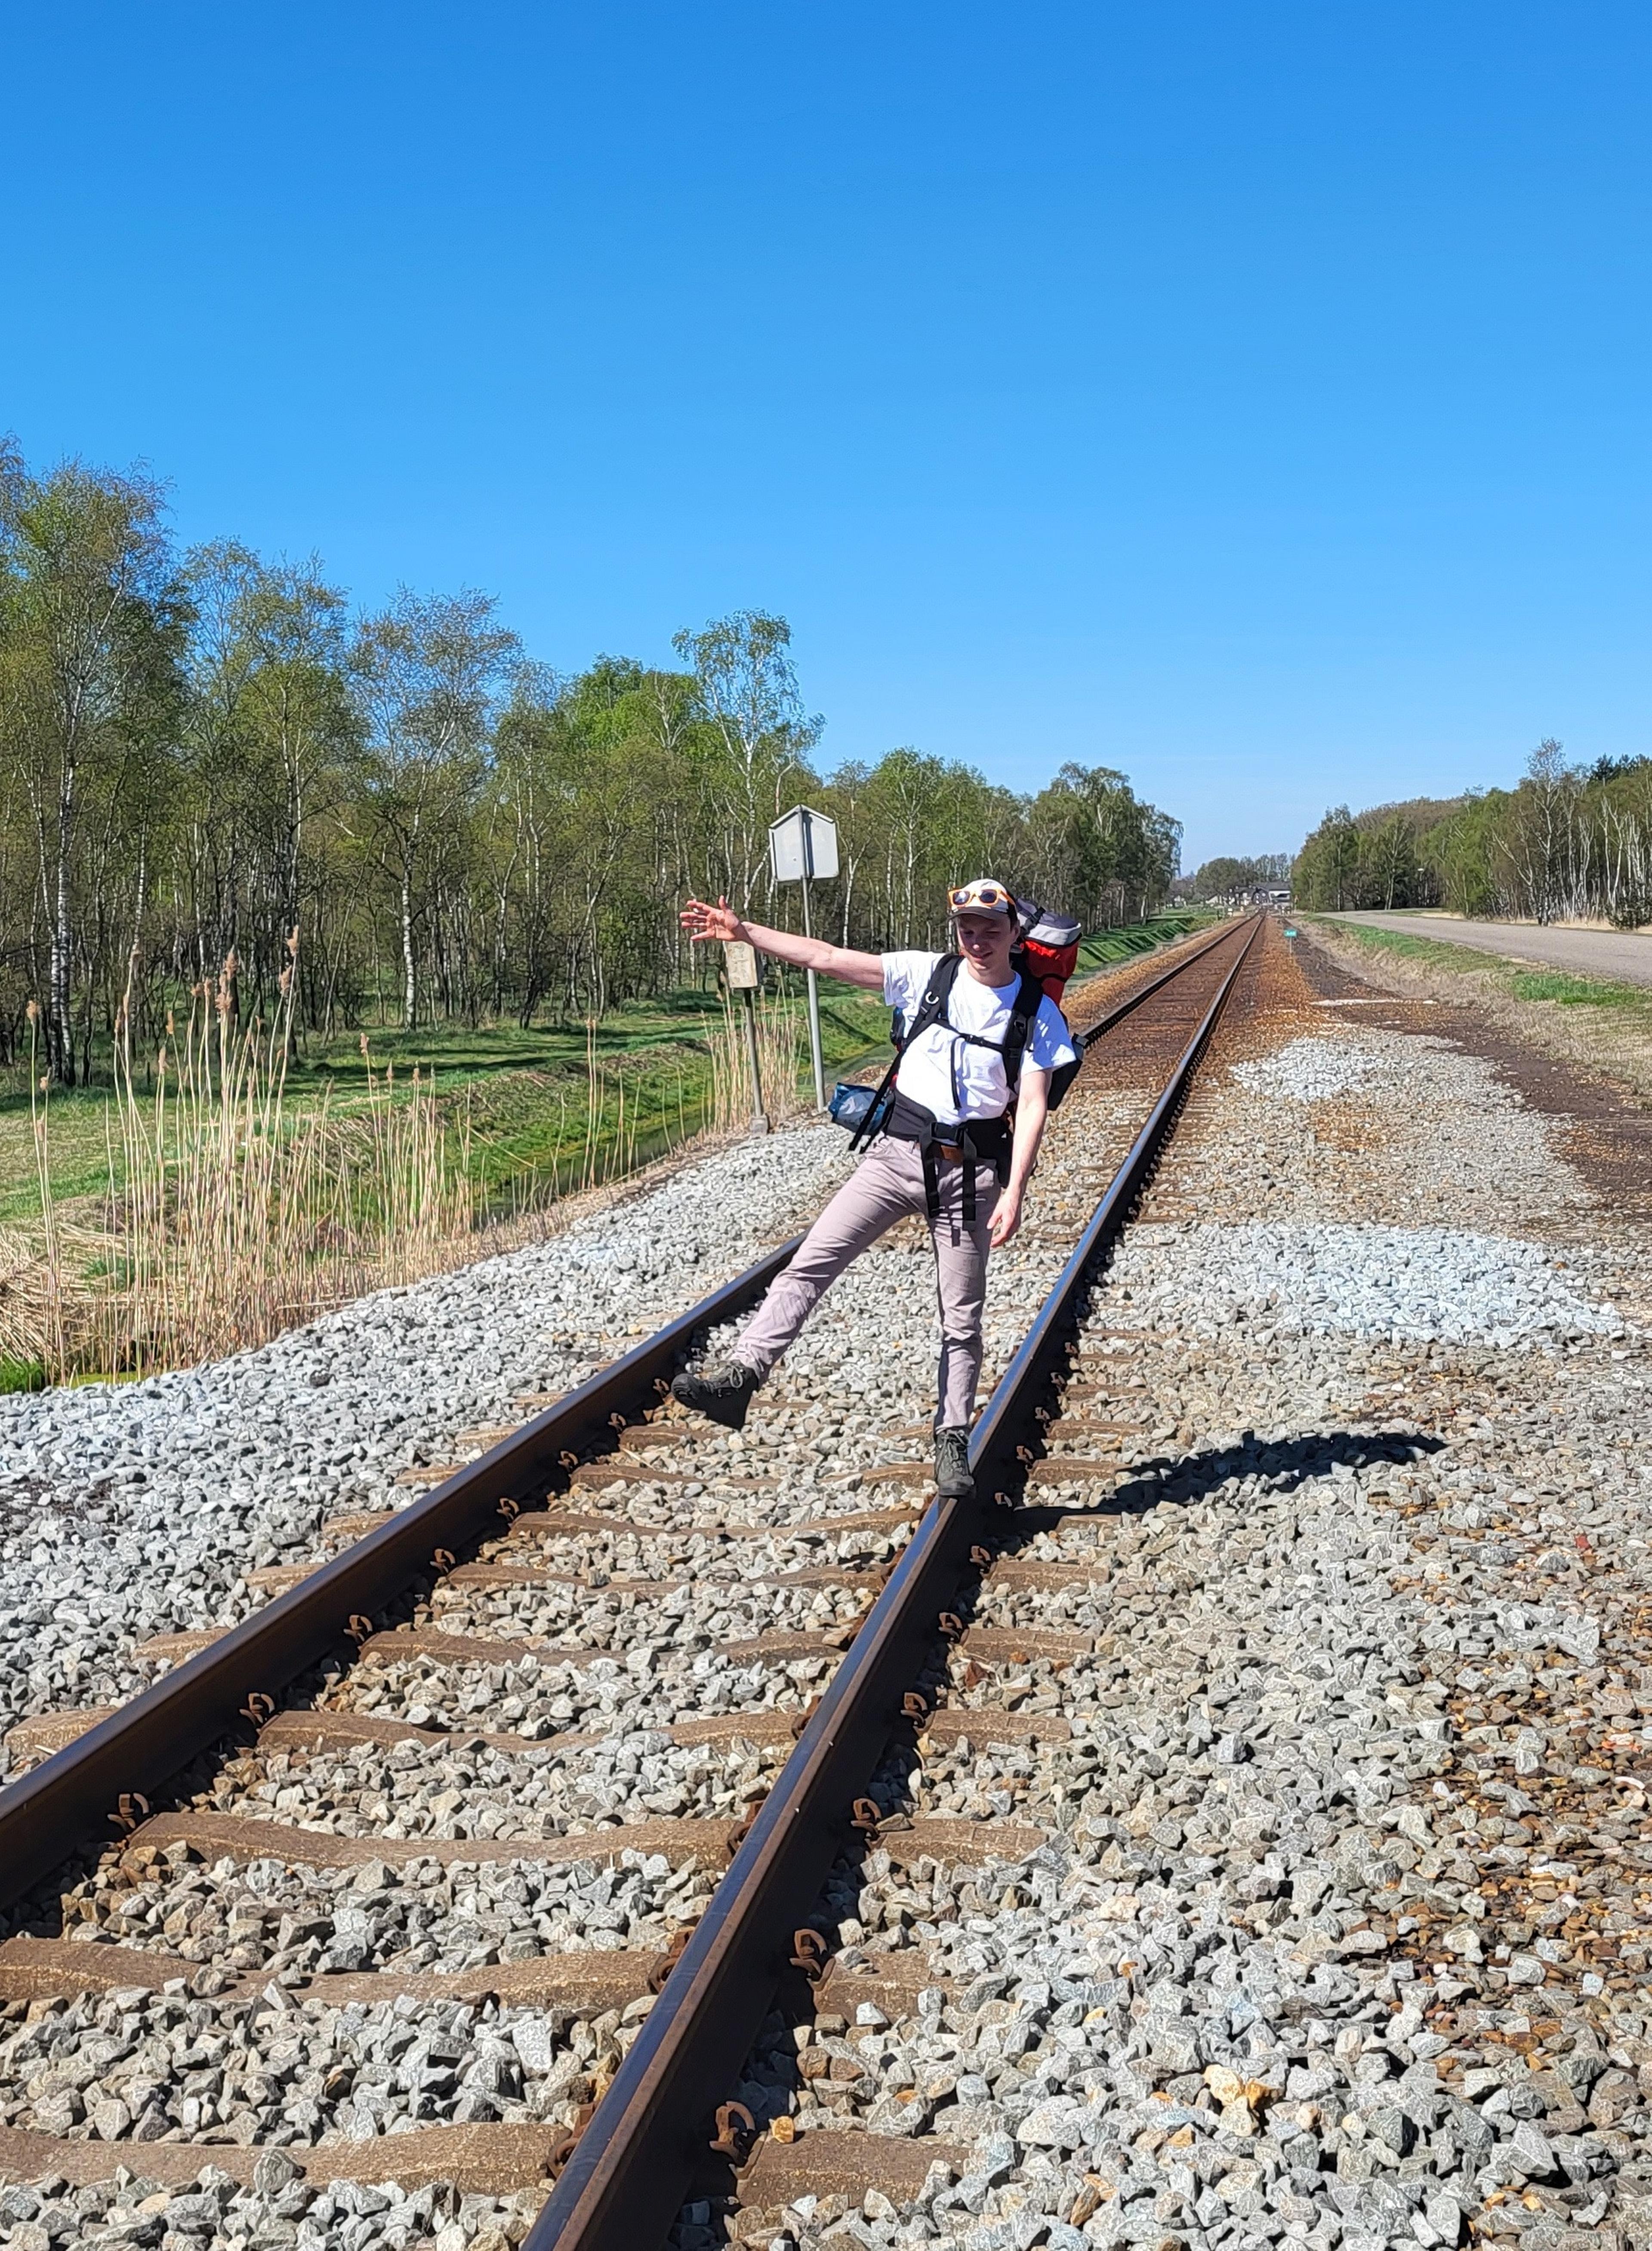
x,y
983,940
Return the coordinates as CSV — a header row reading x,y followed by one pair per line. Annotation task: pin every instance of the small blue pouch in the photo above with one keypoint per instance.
x,y
852,1107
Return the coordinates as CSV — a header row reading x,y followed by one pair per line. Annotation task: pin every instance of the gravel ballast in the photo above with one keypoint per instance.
x,y
1404,1284
234,1917
1338,1934
1335,1932
134,1509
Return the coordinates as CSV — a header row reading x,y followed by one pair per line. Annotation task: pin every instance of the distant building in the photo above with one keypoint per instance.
x,y
1273,897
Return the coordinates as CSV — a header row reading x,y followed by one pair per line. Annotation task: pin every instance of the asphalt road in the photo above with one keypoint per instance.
x,y
1625,954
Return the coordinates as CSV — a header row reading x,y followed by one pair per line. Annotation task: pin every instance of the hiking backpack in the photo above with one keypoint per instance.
x,y
1048,947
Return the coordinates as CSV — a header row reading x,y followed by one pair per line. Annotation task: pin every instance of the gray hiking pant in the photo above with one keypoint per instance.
x,y
888,1185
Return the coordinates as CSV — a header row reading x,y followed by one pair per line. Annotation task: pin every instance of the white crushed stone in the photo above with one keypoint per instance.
x,y
1428,1284
1313,1069
133,1509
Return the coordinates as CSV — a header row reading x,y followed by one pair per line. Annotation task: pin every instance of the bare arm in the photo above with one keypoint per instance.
x,y
1032,1112
702,922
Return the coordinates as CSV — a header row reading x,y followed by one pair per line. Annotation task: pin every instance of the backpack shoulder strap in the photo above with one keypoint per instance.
x,y
1022,1009
932,1007
930,1010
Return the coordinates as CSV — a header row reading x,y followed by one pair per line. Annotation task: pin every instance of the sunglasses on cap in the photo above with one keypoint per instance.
x,y
990,896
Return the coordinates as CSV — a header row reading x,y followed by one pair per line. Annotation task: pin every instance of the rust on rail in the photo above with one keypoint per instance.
x,y
68,1798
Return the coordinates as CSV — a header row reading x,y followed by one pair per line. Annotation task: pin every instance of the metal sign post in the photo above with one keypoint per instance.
x,y
739,966
801,846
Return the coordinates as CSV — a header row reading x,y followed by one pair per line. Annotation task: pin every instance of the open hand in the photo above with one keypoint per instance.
x,y
702,922
1006,1218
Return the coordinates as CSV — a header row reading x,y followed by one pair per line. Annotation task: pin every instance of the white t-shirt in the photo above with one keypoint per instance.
x,y
954,1078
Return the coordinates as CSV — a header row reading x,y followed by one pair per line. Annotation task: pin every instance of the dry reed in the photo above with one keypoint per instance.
x,y
779,1057
234,1212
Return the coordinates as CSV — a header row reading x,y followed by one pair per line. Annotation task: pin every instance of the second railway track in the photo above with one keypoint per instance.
x,y
316,1963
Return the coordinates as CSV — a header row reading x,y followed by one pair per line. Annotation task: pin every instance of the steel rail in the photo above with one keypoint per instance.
x,y
70,1798
1131,1001
623,2182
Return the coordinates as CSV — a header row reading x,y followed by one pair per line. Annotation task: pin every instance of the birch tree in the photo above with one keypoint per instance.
x,y
748,688
93,622
427,672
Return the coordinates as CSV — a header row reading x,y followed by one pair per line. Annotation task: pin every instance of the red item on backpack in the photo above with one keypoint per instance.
x,y
1048,948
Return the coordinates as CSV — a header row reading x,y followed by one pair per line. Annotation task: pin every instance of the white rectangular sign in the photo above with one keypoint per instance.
x,y
803,844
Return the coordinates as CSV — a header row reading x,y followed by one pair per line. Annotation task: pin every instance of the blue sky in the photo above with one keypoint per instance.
x,y
1253,397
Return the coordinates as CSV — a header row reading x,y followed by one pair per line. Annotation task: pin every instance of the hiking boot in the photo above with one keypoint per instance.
x,y
954,1480
721,1390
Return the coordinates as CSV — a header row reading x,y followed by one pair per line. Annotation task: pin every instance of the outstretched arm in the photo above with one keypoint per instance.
x,y
702,922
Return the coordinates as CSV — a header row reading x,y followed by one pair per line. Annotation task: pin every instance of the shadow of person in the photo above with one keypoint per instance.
x,y
1283,1464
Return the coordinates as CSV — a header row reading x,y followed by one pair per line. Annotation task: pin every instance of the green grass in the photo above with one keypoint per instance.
x,y
1559,987
20,1375
521,1094
528,1126
1108,947
1577,991
1429,950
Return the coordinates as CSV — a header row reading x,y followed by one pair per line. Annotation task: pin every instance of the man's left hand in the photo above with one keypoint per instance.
x,y
1006,1218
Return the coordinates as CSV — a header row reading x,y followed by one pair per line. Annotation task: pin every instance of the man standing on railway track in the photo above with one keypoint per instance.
x,y
946,1150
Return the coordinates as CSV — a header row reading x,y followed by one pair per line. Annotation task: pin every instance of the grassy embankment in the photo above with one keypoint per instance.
x,y
1598,1022
428,1149
541,1108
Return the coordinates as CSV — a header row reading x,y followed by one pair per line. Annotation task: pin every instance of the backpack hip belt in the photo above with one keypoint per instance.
x,y
974,1141
979,1141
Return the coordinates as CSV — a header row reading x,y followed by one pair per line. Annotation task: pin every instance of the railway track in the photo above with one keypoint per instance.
x,y
663,1675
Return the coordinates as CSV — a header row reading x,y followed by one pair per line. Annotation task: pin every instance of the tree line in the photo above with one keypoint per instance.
x,y
1229,876
207,757
1568,842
